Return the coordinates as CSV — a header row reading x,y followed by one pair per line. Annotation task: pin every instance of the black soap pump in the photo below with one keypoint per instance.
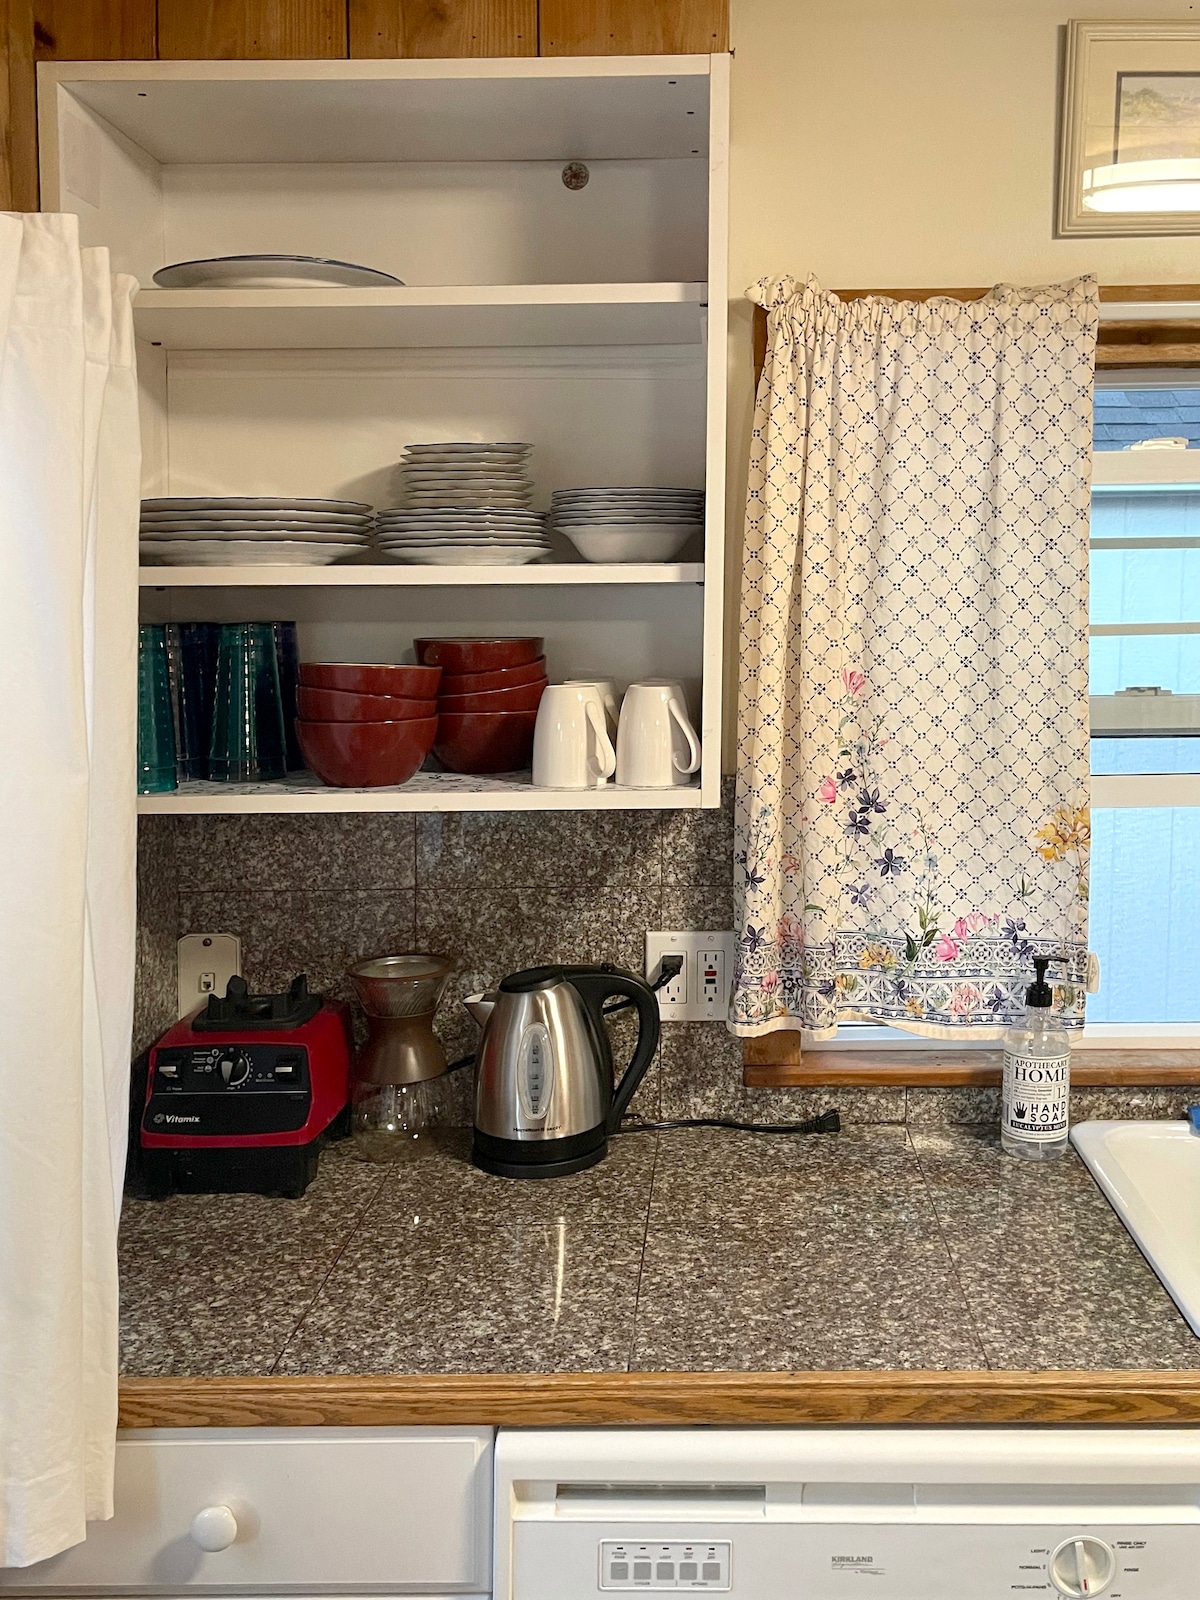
x,y
1037,1076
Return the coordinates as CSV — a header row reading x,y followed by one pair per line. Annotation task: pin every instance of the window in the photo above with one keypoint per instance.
x,y
1145,703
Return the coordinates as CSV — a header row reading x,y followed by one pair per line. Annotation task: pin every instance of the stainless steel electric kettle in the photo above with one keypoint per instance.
x,y
545,1101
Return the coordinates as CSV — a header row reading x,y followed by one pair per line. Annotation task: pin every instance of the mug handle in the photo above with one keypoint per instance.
x,y
608,756
680,716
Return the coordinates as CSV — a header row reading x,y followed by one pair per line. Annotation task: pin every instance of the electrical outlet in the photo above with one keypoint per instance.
x,y
205,963
675,993
701,991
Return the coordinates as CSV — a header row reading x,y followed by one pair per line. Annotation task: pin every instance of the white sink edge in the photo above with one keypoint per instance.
x,y
1175,1261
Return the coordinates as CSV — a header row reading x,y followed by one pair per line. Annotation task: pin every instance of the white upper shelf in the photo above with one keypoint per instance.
x,y
552,575
530,109
468,316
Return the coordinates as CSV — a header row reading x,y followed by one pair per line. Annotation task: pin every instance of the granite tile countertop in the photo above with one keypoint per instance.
x,y
878,1248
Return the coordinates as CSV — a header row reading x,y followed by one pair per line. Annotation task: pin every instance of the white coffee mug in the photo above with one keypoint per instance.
x,y
657,746
607,691
571,747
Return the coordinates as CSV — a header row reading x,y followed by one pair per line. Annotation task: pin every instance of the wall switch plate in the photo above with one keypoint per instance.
x,y
205,964
701,991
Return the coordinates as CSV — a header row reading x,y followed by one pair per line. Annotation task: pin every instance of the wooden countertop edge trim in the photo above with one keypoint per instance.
x,y
671,1398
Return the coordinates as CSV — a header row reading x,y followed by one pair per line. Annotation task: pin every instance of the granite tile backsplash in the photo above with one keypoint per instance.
x,y
498,891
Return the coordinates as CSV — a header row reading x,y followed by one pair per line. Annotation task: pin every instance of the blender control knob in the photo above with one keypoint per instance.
x,y
214,1528
235,1068
1082,1567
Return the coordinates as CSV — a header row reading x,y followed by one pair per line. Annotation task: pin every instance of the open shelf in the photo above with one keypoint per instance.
x,y
427,791
414,577
460,316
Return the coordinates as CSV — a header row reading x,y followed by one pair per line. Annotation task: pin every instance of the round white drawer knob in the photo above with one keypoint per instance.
x,y
214,1528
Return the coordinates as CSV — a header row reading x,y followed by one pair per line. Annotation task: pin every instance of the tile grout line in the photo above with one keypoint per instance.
x,y
950,1256
637,1293
368,1202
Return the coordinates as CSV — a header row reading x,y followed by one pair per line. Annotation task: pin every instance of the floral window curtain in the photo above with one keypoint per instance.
x,y
912,822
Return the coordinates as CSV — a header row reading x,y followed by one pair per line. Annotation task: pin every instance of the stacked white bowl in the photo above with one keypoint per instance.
x,y
252,530
465,504
629,524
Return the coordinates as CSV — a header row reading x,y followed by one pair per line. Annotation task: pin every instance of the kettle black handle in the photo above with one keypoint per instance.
x,y
598,984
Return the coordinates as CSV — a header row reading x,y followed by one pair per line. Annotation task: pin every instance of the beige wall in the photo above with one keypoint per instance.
x,y
904,143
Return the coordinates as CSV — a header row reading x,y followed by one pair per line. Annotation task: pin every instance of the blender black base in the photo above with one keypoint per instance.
x,y
538,1158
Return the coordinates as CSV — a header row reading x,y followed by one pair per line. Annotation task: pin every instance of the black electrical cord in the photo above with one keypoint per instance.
x,y
828,1122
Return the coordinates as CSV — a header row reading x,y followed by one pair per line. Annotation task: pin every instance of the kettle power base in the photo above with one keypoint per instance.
x,y
540,1158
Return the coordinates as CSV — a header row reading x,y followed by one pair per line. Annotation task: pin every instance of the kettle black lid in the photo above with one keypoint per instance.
x,y
546,977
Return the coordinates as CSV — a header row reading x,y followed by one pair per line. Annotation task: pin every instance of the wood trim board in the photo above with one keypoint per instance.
x,y
777,1060
679,1399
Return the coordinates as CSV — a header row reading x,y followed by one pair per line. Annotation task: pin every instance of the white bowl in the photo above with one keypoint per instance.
x,y
613,542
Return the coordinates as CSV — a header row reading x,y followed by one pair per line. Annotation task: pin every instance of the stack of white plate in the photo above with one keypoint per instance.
x,y
252,530
465,505
495,536
638,524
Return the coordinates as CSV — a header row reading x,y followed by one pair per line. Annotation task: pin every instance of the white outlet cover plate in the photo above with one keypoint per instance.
x,y
205,964
693,1007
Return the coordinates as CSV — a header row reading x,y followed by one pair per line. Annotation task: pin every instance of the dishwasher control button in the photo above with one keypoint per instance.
x,y
618,1572
641,1572
1082,1567
688,1572
712,1572
665,1572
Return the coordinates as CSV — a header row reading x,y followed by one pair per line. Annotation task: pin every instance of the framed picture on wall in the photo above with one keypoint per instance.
x,y
1129,152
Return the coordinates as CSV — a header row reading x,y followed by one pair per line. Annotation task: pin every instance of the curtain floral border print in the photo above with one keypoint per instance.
x,y
912,804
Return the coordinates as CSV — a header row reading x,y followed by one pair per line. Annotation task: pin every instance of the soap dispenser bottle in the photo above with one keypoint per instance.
x,y
1037,1076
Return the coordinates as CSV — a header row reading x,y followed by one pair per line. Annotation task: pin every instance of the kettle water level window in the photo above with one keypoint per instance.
x,y
1145,702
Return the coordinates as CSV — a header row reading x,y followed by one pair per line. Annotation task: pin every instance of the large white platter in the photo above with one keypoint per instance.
x,y
272,272
235,553
248,502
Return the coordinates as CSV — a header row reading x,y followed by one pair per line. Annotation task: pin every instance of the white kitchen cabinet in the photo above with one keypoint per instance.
x,y
403,1511
591,322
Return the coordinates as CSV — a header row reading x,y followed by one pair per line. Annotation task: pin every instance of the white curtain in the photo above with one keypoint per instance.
x,y
912,812
69,475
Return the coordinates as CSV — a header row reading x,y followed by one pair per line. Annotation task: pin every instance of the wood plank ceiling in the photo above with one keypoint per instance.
x,y
125,30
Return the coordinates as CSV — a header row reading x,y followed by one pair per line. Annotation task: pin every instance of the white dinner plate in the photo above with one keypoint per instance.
x,y
272,272
472,555
264,527
455,447
253,514
351,541
248,502
501,480
480,539
220,554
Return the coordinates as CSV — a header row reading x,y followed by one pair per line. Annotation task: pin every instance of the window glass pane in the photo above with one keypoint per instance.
x,y
1111,756
1143,919
1123,416
1166,661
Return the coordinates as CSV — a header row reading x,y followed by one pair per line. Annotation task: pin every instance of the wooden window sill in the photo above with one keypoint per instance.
x,y
776,1061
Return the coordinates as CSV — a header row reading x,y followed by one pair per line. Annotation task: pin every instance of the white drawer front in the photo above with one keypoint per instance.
x,y
397,1510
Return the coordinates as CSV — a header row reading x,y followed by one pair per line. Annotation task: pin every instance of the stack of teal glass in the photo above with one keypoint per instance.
x,y
216,701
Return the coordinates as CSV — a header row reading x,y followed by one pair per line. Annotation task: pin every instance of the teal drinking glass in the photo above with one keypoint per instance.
x,y
156,719
248,744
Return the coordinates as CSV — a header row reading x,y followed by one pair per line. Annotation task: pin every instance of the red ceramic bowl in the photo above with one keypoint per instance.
x,y
485,741
485,682
365,755
334,705
525,698
478,655
412,683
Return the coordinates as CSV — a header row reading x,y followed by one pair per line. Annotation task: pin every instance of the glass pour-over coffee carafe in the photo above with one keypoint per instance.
x,y
400,1073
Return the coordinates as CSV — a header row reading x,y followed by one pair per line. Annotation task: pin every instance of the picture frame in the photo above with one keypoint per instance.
x,y
1129,130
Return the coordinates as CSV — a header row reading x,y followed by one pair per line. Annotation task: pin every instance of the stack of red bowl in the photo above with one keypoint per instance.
x,y
487,701
363,726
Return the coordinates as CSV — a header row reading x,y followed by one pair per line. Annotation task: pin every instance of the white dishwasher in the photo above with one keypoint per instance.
x,y
831,1513
286,1511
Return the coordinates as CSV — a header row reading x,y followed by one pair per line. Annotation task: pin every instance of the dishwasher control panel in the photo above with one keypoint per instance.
x,y
677,1564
